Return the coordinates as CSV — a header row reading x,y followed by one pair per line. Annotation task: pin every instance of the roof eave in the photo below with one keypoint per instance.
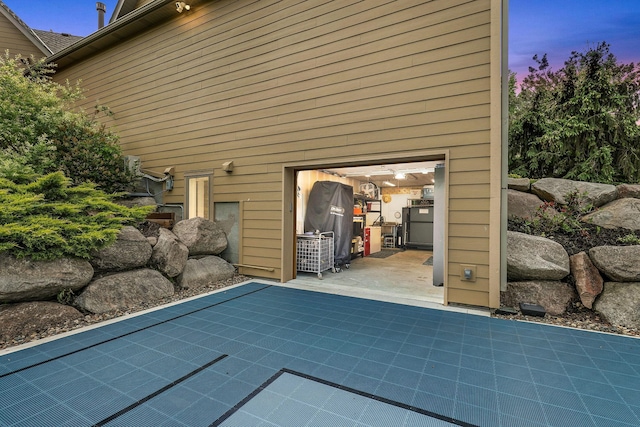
x,y
109,35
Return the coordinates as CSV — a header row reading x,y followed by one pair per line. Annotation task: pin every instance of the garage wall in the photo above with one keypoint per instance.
x,y
268,83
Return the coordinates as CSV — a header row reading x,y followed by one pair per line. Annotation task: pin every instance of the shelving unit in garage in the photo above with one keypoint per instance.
x,y
366,239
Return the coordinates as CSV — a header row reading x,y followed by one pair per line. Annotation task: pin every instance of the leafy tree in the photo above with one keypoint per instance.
x,y
47,218
40,129
580,122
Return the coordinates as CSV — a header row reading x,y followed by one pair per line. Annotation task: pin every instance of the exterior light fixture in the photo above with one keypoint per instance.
x,y
180,6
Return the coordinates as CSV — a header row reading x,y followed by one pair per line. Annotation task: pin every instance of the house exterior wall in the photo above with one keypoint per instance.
x,y
277,86
15,41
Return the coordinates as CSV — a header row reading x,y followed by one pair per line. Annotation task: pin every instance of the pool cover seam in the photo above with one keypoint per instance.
x,y
159,391
250,396
24,368
395,403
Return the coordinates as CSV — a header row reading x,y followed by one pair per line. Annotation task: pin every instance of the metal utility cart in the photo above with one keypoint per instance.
x,y
315,253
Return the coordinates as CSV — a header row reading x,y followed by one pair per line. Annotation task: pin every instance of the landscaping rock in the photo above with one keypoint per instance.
x,y
535,258
524,205
628,190
169,254
519,184
201,236
131,250
205,271
28,280
619,303
619,263
588,280
554,296
26,318
134,202
555,190
621,213
121,290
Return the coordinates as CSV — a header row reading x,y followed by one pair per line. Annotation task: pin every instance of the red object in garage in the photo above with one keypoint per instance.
x,y
367,241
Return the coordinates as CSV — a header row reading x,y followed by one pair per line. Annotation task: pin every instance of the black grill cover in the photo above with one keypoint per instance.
x,y
330,208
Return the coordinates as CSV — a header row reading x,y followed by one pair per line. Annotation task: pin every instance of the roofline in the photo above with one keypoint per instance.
x,y
116,11
24,29
113,33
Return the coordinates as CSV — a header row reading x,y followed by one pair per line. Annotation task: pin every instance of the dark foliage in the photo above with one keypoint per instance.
x,y
579,122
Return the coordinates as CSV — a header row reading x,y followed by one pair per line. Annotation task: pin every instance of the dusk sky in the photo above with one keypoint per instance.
x,y
555,27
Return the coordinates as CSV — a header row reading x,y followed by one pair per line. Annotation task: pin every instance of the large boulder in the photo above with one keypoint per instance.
x,y
554,296
628,190
202,237
588,280
524,205
619,303
205,271
169,254
33,317
621,213
125,289
28,280
131,250
535,258
619,263
519,184
556,190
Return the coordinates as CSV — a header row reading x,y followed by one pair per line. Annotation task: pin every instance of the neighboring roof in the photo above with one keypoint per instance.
x,y
24,29
56,41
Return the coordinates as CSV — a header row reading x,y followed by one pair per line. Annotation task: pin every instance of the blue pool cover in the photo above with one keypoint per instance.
x,y
272,356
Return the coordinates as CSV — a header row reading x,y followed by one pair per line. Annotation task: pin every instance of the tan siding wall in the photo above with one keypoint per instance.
x,y
275,83
12,39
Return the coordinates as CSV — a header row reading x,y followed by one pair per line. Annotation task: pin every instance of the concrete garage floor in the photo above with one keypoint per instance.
x,y
401,277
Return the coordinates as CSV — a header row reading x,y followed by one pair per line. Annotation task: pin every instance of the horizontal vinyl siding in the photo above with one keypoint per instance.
x,y
267,83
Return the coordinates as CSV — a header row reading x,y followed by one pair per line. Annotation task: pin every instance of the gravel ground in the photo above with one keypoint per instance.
x,y
579,317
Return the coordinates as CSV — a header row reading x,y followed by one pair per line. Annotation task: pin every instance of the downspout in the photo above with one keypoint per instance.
x,y
505,144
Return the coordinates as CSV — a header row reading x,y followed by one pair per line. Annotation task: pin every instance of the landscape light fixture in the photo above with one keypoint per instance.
x,y
180,6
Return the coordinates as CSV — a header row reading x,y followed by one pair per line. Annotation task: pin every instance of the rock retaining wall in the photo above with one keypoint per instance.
x,y
132,270
606,278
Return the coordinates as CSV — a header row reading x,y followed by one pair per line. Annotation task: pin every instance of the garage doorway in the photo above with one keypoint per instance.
x,y
394,258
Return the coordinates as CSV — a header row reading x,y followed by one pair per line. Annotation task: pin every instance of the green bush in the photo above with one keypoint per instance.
x,y
40,129
579,122
47,218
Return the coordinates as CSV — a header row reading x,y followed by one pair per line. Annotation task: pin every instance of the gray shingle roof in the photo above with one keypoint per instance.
x,y
56,41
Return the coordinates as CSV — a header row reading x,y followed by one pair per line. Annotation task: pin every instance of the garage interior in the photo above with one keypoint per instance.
x,y
395,237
